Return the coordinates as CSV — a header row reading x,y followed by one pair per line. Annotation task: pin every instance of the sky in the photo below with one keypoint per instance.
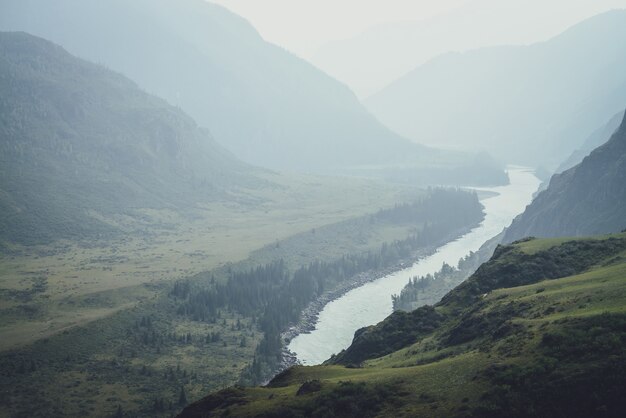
x,y
368,44
303,26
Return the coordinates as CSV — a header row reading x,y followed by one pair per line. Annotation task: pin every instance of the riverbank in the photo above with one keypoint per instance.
x,y
371,303
310,315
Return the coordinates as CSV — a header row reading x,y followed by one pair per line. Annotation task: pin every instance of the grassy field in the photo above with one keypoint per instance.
x,y
125,359
48,289
547,346
88,328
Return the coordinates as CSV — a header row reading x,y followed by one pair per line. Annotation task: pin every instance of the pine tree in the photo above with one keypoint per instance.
x,y
182,398
119,413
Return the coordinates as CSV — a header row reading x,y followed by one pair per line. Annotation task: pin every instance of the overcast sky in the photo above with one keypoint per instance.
x,y
368,44
302,26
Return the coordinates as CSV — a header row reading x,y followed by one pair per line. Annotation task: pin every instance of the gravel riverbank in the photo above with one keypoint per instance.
x,y
310,315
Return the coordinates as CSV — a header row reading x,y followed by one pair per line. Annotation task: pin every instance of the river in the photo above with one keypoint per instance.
x,y
371,303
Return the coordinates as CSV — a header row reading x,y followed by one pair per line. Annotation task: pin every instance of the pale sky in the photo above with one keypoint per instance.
x,y
302,26
372,52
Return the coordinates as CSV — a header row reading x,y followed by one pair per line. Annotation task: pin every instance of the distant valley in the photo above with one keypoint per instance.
x,y
265,105
189,213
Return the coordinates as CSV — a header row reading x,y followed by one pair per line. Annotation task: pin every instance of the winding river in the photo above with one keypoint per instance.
x,y
371,303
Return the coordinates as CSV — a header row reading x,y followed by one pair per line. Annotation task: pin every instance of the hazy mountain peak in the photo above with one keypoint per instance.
x,y
265,105
515,100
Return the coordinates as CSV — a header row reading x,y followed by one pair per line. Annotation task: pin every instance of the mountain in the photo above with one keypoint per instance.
x,y
536,331
531,105
597,138
587,199
372,59
79,142
262,103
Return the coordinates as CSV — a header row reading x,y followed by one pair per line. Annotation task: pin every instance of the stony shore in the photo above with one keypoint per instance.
x,y
310,314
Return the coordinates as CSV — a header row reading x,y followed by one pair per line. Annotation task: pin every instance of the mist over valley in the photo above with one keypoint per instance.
x,y
202,216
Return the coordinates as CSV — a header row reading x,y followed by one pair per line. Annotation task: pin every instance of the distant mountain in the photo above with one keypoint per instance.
x,y
372,59
537,331
78,141
265,105
532,104
587,199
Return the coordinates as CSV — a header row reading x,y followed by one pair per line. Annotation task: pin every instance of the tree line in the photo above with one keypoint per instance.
x,y
275,297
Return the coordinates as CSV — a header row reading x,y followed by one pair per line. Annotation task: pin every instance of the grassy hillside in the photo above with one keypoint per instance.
x,y
538,331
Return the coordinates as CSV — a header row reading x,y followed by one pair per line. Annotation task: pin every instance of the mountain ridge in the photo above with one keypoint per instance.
x,y
78,138
597,138
245,42
589,198
514,100
264,104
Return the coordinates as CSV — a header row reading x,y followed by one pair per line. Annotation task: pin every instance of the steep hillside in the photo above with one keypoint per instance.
x,y
537,331
515,100
589,198
262,103
597,138
78,142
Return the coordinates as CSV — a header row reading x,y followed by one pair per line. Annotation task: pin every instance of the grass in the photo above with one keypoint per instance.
x,y
91,369
534,246
435,378
82,351
118,271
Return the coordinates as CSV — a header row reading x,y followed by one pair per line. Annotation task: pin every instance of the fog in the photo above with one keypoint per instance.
x,y
515,100
369,44
304,26
185,185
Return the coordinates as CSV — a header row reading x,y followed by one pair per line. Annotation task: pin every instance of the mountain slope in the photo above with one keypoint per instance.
x,y
78,141
597,138
515,100
262,103
537,331
589,198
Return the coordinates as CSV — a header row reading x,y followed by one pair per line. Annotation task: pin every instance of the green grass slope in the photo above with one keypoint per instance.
x,y
539,331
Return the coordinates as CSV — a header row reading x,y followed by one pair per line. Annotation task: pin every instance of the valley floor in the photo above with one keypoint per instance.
x,y
87,329
537,331
49,289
